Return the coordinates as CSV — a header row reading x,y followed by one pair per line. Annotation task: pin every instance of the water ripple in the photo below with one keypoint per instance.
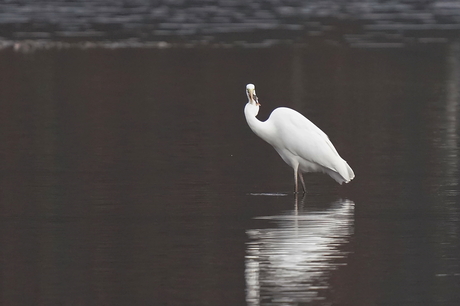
x,y
288,263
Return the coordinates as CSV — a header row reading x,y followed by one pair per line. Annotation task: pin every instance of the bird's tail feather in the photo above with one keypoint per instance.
x,y
343,174
351,174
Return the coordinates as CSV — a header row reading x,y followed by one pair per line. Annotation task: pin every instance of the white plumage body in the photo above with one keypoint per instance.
x,y
299,142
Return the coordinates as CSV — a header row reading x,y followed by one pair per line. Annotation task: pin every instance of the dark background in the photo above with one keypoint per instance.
x,y
128,175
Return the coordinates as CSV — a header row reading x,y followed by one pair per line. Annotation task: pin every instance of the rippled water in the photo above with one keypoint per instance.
x,y
130,177
291,261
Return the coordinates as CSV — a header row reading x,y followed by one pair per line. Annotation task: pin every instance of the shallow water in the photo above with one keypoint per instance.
x,y
130,177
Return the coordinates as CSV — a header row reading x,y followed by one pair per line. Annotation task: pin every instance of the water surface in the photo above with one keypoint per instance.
x,y
130,177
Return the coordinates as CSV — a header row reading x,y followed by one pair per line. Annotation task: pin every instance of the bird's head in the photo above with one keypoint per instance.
x,y
251,92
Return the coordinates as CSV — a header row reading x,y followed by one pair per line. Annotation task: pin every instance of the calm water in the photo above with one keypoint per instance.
x,y
130,177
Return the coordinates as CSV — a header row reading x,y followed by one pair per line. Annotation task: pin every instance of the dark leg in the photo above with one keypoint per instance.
x,y
295,180
303,182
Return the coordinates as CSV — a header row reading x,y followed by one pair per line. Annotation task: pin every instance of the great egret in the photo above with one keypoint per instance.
x,y
300,143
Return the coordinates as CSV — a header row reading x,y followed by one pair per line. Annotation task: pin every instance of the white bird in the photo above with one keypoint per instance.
x,y
300,143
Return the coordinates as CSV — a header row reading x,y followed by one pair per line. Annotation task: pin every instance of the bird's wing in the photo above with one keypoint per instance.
x,y
304,139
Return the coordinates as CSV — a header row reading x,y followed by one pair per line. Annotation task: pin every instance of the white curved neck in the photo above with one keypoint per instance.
x,y
260,128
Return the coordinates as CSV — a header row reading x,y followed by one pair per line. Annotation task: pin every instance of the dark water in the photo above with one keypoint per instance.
x,y
130,177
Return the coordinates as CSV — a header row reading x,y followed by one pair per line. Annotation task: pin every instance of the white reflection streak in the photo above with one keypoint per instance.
x,y
287,264
450,177
453,97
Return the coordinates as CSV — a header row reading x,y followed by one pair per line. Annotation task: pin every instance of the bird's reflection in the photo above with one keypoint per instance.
x,y
288,263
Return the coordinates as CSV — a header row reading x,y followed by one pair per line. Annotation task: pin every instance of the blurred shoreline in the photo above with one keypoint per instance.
x,y
224,23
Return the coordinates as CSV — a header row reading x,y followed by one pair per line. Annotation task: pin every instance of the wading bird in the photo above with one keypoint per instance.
x,y
300,143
